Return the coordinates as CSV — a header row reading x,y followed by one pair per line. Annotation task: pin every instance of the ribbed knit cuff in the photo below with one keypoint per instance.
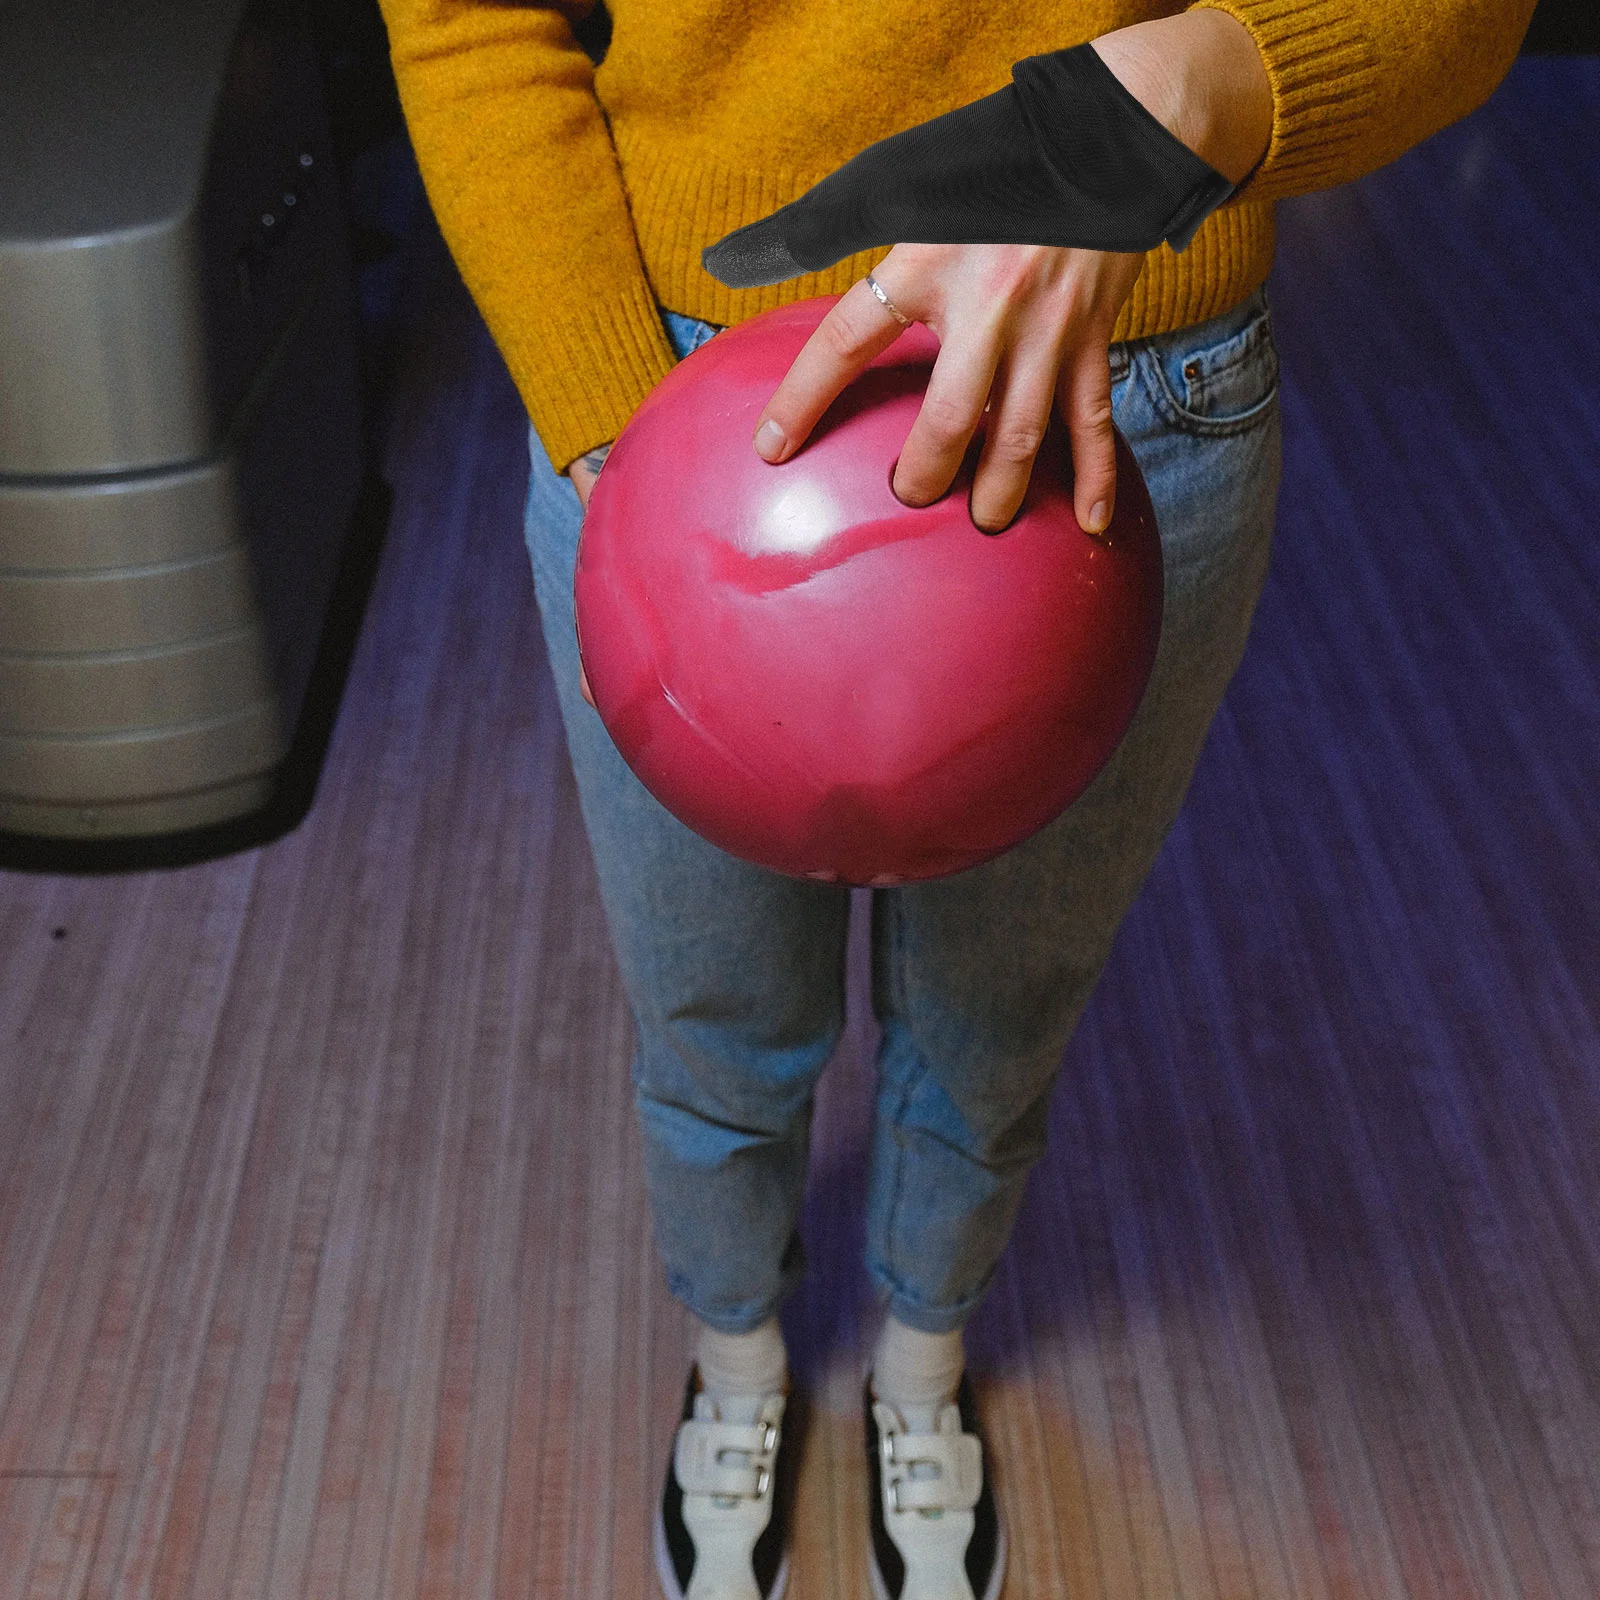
x,y
582,379
1323,69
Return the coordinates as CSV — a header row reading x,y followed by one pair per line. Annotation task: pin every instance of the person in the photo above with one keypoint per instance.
x,y
577,200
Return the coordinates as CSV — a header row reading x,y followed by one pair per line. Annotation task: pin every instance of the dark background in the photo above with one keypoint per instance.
x,y
1564,27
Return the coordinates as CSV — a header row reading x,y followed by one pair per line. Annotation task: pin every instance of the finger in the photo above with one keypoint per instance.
x,y
852,333
583,685
952,407
1085,400
1015,428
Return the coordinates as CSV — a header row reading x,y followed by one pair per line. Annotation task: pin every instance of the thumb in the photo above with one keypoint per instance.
x,y
1084,398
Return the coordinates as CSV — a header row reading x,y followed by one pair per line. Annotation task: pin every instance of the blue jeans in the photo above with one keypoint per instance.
x,y
735,974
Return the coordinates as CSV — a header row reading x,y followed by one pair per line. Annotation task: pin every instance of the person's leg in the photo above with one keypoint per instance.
x,y
735,976
979,978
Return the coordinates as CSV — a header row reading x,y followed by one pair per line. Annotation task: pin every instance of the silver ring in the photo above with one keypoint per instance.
x,y
893,309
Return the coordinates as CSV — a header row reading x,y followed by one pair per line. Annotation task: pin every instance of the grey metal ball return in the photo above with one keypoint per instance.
x,y
180,430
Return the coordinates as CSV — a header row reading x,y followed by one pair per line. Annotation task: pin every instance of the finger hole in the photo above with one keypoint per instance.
x,y
910,505
894,467
991,533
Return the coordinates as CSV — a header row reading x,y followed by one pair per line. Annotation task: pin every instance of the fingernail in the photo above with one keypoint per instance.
x,y
769,440
1098,518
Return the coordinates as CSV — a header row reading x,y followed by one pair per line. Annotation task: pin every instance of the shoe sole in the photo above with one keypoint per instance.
x,y
667,1576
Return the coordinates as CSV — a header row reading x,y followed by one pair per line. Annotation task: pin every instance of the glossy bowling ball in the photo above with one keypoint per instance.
x,y
822,680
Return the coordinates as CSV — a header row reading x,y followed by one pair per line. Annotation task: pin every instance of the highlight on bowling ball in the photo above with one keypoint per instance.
x,y
829,683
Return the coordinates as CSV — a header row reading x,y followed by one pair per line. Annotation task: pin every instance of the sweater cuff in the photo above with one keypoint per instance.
x,y
1324,74
583,378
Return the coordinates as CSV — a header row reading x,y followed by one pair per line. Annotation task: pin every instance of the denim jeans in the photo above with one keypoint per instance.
x,y
735,975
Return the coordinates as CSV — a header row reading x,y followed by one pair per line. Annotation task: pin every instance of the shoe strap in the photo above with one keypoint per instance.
x,y
958,1456
698,1457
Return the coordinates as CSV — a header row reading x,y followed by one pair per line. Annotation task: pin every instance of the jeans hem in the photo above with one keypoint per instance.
x,y
918,1314
741,1319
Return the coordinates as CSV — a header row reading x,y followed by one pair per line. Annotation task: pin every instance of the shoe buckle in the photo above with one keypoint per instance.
x,y
958,1485
699,1453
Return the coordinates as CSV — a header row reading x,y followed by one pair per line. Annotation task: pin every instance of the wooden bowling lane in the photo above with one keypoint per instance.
x,y
325,1265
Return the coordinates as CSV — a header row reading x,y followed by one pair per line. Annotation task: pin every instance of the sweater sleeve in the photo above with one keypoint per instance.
x,y
1356,85
517,159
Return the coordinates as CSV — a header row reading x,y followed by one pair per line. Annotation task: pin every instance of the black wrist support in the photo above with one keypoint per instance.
x,y
1063,155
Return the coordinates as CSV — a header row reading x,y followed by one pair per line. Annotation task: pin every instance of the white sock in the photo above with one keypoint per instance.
x,y
740,1369
917,1373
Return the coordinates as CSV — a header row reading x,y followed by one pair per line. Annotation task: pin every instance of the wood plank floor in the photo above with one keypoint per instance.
x,y
325,1265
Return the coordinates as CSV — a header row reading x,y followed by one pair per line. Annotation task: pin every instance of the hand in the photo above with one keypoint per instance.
x,y
1021,327
584,472
1025,327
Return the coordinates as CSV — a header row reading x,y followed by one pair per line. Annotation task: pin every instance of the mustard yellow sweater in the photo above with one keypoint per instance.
x,y
574,199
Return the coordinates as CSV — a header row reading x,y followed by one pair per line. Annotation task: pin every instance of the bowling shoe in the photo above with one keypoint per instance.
x,y
722,1522
936,1531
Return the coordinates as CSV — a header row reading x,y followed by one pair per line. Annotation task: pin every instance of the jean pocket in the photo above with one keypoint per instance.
x,y
1216,386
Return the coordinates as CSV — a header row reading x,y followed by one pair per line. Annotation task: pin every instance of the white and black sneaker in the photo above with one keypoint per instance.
x,y
936,1532
722,1523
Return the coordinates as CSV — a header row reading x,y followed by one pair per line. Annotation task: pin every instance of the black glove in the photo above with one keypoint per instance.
x,y
1063,155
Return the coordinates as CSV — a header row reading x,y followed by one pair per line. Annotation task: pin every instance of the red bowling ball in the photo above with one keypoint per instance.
x,y
829,683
